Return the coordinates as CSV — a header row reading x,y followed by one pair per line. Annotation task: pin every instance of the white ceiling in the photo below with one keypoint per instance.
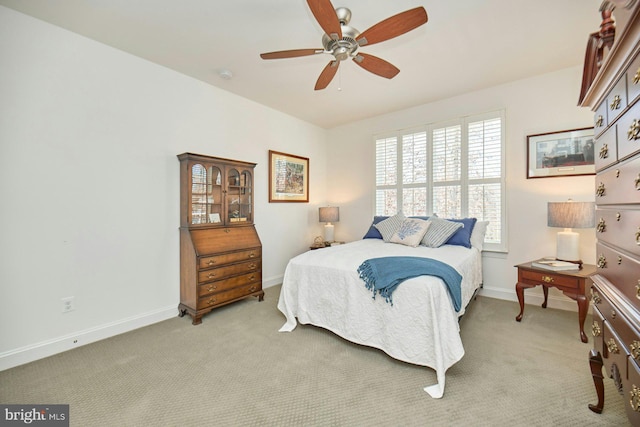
x,y
466,45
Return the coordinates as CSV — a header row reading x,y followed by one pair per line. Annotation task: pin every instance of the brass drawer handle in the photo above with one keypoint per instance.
x,y
595,329
547,279
638,289
211,301
252,277
595,297
634,399
212,288
636,78
618,216
637,182
252,255
211,262
602,226
227,230
638,236
599,121
615,104
600,190
602,262
619,260
635,349
634,130
211,275
617,173
252,266
613,347
252,289
613,315
604,151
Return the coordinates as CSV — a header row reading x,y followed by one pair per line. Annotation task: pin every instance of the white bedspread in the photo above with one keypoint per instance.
x,y
322,288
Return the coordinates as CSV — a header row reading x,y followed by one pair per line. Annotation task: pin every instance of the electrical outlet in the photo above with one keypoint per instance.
x,y
68,304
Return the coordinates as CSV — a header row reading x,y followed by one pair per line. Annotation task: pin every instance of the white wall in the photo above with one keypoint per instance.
x,y
90,188
542,104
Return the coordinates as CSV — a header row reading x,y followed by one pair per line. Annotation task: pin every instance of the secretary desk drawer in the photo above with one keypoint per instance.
x,y
619,184
228,270
230,283
228,296
619,227
216,260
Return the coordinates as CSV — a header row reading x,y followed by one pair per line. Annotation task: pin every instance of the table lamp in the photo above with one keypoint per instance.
x,y
328,215
570,215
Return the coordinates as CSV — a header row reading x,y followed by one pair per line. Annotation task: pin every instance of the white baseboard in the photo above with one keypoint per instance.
x,y
272,281
48,348
531,298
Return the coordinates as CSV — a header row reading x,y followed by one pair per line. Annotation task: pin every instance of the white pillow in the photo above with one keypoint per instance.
x,y
477,235
411,232
389,226
439,232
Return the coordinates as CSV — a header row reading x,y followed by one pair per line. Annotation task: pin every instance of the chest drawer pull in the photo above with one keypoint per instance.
x,y
637,182
615,104
599,121
602,226
638,236
618,216
212,288
547,279
252,266
211,262
638,289
619,260
600,190
211,275
635,350
211,301
595,329
602,262
252,255
595,297
613,315
613,347
634,130
604,151
634,400
636,77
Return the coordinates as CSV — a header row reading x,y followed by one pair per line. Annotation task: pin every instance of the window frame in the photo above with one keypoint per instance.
x,y
464,182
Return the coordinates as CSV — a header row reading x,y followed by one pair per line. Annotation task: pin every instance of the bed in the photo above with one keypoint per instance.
x,y
323,288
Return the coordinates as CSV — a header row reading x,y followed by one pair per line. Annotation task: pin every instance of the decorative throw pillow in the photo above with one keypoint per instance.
x,y
410,232
373,232
439,232
477,235
389,226
462,237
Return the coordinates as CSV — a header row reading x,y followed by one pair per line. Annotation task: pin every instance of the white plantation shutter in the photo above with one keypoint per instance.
x,y
454,170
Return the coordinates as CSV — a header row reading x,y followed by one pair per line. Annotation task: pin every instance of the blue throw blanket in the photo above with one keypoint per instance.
x,y
383,275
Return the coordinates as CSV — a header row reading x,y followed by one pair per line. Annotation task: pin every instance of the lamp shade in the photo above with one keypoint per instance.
x,y
329,214
571,214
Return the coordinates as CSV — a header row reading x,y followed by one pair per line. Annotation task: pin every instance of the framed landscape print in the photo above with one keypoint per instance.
x,y
564,153
288,178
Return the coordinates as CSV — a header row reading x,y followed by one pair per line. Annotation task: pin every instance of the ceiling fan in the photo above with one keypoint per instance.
x,y
343,41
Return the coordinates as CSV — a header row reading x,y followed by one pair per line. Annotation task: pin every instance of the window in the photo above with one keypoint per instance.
x,y
454,169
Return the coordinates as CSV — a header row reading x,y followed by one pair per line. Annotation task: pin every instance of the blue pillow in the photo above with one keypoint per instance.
x,y
462,237
373,232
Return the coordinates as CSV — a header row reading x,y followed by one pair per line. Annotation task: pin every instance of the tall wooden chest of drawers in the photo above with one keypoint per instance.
x,y
615,97
220,251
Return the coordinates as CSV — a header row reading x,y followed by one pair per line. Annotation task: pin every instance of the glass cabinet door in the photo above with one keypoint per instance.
x,y
239,196
206,194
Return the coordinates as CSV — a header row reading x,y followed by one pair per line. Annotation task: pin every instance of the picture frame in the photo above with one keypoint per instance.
x,y
563,153
288,178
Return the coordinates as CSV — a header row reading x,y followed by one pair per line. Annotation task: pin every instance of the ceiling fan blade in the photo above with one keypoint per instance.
x,y
290,53
394,26
376,65
327,75
326,16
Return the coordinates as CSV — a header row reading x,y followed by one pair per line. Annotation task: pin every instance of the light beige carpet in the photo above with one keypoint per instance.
x,y
235,369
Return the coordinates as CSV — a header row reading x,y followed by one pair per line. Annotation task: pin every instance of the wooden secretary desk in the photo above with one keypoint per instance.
x,y
220,251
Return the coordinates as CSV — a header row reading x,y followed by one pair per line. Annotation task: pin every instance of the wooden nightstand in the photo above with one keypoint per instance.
x,y
572,283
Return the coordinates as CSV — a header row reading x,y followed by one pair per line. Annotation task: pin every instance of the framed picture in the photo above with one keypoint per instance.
x,y
564,153
288,178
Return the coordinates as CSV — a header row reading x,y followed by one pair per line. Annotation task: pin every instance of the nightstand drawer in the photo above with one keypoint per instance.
x,y
551,277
